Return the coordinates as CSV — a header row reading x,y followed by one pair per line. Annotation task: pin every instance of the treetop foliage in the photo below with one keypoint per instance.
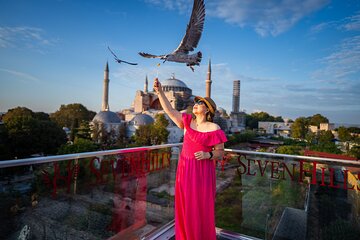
x,y
316,119
72,115
28,133
253,119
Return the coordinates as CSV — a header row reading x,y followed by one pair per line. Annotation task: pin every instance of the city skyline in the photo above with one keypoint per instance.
x,y
293,59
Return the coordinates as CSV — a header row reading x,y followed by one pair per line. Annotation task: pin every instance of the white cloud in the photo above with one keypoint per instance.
x,y
181,5
265,17
20,75
336,85
321,26
18,37
351,23
343,63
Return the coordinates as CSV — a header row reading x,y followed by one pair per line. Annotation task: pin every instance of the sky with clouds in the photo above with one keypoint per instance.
x,y
294,58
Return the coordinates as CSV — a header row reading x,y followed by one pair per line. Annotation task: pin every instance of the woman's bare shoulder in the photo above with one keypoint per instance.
x,y
213,126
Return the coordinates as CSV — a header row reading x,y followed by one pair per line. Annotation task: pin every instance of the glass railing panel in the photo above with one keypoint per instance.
x,y
116,196
274,197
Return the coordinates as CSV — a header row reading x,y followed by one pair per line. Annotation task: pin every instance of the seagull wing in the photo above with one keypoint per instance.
x,y
116,58
119,60
128,62
194,28
147,55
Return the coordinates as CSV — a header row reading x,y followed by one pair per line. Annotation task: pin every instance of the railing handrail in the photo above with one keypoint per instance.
x,y
47,159
64,157
353,163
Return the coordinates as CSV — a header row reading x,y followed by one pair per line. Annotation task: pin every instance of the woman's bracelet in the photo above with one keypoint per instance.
x,y
211,155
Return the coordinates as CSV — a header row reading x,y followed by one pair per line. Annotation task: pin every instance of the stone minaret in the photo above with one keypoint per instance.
x,y
236,96
105,101
208,81
146,85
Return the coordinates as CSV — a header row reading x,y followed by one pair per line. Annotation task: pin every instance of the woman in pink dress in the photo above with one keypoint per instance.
x,y
195,185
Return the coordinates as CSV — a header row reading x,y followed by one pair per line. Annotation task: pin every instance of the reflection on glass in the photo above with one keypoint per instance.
x,y
273,198
120,196
129,194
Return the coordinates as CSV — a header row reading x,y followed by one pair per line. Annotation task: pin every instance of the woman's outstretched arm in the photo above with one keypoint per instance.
x,y
165,104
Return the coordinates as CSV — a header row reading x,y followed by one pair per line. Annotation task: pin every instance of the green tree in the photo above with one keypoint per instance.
x,y
253,119
299,128
97,131
143,135
72,115
42,116
83,131
108,138
49,137
153,134
278,119
355,130
356,139
122,140
344,134
251,122
311,138
316,119
161,121
355,152
159,132
28,135
325,137
80,145
292,150
240,138
4,143
17,113
325,143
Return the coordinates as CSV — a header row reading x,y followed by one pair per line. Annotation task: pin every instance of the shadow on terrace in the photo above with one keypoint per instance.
x,y
129,194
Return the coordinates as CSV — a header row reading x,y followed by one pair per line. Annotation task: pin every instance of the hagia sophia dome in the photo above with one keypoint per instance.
x,y
107,117
142,119
176,85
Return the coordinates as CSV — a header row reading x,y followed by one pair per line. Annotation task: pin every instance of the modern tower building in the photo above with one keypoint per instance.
x,y
237,118
236,96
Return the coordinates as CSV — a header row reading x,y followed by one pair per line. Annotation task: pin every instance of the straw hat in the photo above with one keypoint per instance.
x,y
210,104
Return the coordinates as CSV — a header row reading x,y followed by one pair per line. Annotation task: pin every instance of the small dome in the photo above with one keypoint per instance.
x,y
142,119
173,82
107,117
221,110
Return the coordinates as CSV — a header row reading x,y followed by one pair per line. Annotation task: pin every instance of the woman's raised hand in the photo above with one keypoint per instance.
x,y
157,85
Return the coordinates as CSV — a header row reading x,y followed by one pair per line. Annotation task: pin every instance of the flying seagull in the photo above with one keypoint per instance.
x,y
190,40
118,60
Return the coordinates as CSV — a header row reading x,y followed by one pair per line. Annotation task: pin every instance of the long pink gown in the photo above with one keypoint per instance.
x,y
195,185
